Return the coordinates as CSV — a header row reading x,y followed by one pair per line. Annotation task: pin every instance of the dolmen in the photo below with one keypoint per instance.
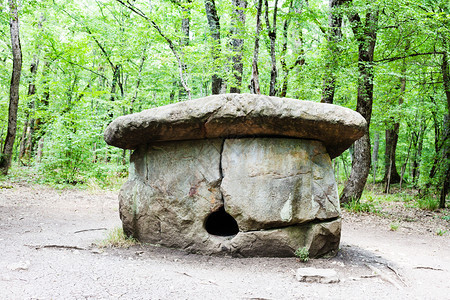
x,y
236,174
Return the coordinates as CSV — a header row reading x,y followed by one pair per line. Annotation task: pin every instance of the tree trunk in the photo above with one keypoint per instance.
x,y
28,141
360,170
365,34
185,26
214,28
376,145
5,159
390,171
272,32
334,36
417,139
446,129
300,59
254,82
237,43
403,168
138,81
40,151
23,140
418,158
390,167
185,39
437,149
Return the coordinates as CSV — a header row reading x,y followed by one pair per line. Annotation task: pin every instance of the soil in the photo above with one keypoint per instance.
x,y
48,251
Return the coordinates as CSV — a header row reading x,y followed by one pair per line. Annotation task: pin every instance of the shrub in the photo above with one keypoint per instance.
x,y
302,254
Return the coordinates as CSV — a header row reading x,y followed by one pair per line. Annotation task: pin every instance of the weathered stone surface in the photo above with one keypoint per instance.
x,y
174,187
270,183
247,175
239,115
319,238
317,275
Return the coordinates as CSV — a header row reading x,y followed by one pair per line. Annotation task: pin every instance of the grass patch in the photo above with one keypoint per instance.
x,y
361,207
441,232
427,202
394,226
117,238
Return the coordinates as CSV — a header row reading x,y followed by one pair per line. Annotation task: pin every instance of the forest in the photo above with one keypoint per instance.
x,y
68,68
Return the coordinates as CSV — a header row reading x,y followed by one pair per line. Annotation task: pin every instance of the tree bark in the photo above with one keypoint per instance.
x,y
300,61
26,144
446,130
334,36
272,32
237,43
437,147
214,28
390,167
254,82
365,34
418,152
139,78
391,174
376,145
185,25
5,159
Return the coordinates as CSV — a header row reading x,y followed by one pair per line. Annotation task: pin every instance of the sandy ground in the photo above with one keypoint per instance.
x,y
48,251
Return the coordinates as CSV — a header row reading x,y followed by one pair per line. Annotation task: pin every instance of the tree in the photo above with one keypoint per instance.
x,y
254,81
5,159
217,83
365,32
334,36
272,33
446,135
237,43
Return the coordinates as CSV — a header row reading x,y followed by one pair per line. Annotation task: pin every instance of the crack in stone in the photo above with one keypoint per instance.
x,y
220,162
222,146
326,196
312,222
278,175
207,120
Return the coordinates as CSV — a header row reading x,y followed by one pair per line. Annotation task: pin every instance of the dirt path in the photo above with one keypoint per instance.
x,y
413,261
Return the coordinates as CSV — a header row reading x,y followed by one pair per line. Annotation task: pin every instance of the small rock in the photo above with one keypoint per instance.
x,y
21,265
317,275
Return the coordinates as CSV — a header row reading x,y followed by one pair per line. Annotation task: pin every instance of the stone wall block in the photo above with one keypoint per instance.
x,y
277,182
167,201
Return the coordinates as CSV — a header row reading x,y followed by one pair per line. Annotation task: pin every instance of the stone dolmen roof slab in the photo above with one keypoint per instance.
x,y
239,115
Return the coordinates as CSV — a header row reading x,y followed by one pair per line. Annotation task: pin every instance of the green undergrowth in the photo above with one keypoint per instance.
x,y
112,179
302,254
427,202
116,238
373,199
361,207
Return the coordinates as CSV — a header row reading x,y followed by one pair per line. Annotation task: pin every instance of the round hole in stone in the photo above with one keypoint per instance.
x,y
221,223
